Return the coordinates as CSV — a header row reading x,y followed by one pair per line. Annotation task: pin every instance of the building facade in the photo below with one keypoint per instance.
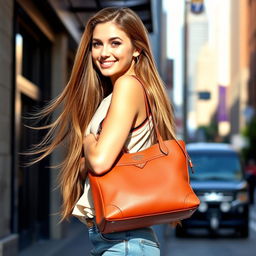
x,y
220,67
36,50
251,27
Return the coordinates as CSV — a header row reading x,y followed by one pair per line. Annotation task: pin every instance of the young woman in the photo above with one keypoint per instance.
x,y
104,113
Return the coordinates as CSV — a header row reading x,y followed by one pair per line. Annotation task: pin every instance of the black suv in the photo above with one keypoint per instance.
x,y
219,181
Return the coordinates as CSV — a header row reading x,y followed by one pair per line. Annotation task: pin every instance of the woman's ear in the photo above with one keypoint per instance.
x,y
136,53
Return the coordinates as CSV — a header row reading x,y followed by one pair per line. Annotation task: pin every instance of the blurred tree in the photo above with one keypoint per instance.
x,y
210,131
249,132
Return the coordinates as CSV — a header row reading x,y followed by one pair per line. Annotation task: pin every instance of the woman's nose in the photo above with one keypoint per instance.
x,y
105,51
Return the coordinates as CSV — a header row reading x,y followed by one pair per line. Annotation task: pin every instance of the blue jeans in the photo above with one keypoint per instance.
x,y
137,242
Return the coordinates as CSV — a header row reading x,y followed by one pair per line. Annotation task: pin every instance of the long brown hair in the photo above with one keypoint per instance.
x,y
83,93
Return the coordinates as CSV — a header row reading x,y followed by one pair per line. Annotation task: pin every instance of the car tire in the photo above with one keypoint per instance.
x,y
180,232
244,231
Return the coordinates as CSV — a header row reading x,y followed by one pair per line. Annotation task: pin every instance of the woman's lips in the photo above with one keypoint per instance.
x,y
107,64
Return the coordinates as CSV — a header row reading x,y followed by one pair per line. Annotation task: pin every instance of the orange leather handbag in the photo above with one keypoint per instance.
x,y
145,188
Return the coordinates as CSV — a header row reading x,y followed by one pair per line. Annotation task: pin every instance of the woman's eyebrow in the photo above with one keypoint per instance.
x,y
110,39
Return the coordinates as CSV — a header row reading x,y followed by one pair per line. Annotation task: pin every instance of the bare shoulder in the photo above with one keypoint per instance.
x,y
128,83
128,93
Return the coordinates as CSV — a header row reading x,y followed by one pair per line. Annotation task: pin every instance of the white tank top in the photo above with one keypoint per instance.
x,y
137,140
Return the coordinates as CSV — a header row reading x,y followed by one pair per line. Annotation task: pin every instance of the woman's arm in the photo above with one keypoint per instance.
x,y
126,100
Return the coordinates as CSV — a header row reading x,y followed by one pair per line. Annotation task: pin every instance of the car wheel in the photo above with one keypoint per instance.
x,y
244,231
180,232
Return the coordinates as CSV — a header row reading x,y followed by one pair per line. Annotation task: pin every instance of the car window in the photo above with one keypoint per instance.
x,y
216,166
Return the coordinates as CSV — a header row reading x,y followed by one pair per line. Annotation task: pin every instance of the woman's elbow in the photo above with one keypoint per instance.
x,y
100,165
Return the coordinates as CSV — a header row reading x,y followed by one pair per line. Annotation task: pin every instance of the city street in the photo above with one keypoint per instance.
x,y
60,61
221,246
201,243
201,246
197,244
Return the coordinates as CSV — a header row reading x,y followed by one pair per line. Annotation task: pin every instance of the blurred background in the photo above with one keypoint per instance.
x,y
205,52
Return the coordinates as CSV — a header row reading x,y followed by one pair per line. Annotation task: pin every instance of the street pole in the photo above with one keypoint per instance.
x,y
197,7
185,85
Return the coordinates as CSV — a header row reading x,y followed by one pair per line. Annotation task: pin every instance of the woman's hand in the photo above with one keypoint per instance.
x,y
88,141
83,169
84,165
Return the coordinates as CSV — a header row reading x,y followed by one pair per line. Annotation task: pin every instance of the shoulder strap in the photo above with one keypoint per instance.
x,y
162,146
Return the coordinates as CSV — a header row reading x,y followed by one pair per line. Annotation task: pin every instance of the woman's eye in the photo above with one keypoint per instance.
x,y
95,44
116,43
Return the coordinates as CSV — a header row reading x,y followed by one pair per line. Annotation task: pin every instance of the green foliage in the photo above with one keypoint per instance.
x,y
250,133
210,131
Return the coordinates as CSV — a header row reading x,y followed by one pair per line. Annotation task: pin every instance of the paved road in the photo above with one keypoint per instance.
x,y
198,244
202,245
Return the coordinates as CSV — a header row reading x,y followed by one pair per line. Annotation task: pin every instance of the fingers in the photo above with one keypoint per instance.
x,y
82,163
82,168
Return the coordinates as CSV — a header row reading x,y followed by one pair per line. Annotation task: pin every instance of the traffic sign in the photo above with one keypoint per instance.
x,y
204,95
197,6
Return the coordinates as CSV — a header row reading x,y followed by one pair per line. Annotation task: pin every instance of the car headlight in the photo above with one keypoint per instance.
x,y
225,206
242,197
203,207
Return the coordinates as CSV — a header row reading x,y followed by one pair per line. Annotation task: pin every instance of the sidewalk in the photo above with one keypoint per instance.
x,y
75,243
253,217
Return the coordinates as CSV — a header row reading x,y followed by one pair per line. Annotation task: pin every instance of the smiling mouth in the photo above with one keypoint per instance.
x,y
107,64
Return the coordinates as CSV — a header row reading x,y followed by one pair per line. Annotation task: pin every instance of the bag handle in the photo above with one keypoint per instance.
x,y
162,146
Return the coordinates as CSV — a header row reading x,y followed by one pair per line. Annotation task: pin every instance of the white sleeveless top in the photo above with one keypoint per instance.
x,y
138,139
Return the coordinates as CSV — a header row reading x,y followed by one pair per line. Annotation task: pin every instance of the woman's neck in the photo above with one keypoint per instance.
x,y
129,71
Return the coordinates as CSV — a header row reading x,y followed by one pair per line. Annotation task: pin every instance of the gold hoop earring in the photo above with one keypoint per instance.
x,y
136,59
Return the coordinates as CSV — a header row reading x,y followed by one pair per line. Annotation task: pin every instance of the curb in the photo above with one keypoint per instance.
x,y
76,240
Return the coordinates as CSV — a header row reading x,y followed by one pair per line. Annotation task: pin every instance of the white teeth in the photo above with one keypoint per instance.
x,y
107,64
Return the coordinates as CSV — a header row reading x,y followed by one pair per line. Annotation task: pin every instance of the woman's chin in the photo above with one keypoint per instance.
x,y
111,75
105,72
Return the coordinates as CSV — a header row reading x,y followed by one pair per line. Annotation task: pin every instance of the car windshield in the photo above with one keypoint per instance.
x,y
216,166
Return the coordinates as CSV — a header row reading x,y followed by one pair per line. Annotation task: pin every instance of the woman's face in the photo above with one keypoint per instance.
x,y
112,50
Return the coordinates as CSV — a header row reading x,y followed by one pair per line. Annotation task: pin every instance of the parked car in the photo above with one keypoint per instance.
x,y
250,173
219,182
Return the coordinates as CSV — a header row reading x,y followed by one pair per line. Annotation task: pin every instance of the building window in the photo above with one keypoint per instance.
x,y
33,76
